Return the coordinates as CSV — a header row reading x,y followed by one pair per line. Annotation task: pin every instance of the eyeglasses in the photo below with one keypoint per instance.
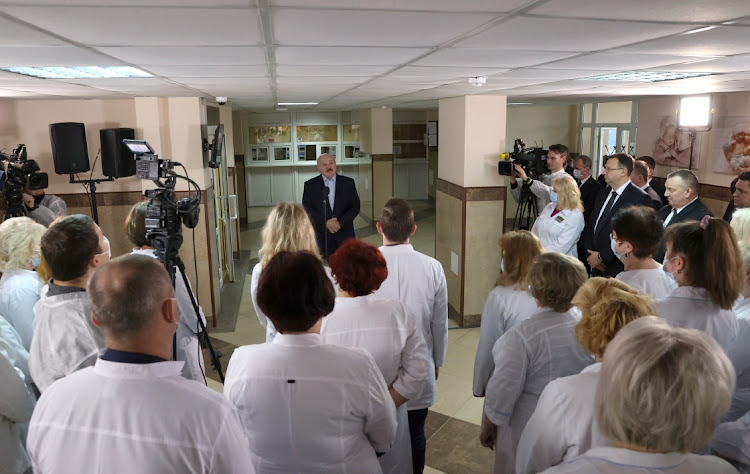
x,y
613,169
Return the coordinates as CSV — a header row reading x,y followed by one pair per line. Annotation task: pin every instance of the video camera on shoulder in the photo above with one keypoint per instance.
x,y
17,172
533,160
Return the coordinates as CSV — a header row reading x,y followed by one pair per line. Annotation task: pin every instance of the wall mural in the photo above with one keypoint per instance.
x,y
730,140
672,145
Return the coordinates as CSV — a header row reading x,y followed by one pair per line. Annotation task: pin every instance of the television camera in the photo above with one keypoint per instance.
x,y
533,160
16,172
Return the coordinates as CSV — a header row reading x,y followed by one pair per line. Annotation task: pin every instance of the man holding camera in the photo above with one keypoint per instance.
x,y
556,159
43,208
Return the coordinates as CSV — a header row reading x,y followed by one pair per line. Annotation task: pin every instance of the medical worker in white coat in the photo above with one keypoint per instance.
x,y
288,228
646,368
707,265
133,412
561,222
20,240
636,235
385,328
307,406
509,303
732,441
532,354
563,425
188,346
419,282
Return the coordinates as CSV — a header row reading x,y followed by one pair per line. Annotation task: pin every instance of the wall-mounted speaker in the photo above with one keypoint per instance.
x,y
117,160
69,149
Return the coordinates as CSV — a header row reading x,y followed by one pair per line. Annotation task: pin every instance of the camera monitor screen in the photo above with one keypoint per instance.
x,y
138,147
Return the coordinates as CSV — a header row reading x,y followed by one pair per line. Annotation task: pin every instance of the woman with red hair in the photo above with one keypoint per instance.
x,y
385,328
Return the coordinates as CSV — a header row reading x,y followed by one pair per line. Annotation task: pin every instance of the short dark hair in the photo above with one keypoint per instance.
x,y
744,176
397,220
733,187
642,227
69,246
587,162
294,291
641,169
687,177
650,162
558,148
624,160
359,267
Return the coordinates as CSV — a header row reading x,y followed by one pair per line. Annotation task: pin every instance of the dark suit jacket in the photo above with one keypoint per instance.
x,y
659,188
599,240
589,189
346,208
693,212
656,202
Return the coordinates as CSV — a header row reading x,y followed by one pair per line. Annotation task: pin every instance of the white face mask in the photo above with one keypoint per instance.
x,y
577,174
109,247
613,244
502,266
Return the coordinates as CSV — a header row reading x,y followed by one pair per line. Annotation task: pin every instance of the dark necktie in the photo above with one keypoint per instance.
x,y
612,199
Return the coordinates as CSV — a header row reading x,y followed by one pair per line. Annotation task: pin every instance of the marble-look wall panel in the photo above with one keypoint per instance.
x,y
716,206
484,227
449,239
382,184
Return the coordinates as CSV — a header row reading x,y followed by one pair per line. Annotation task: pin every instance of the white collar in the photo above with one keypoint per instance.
x,y
631,458
585,179
397,248
596,367
298,340
558,173
690,293
686,205
333,178
621,188
156,370
642,188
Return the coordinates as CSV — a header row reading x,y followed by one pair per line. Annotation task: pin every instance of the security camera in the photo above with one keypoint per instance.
x,y
221,100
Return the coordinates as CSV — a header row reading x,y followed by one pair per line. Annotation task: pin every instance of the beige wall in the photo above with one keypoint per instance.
x,y
485,121
451,139
449,240
376,131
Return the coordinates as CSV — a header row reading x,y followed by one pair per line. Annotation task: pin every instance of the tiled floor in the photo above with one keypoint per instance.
x,y
452,425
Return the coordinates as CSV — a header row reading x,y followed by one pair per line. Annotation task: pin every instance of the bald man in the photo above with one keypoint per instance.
x,y
132,411
332,202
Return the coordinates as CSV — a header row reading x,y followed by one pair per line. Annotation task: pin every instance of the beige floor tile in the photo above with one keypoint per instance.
x,y
429,470
459,362
454,335
452,393
215,385
471,411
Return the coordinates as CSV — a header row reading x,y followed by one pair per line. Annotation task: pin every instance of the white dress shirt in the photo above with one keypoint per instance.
x,y
584,180
693,308
618,192
739,354
528,357
559,233
654,282
136,418
563,425
419,281
732,440
618,460
505,307
390,333
674,212
311,407
19,292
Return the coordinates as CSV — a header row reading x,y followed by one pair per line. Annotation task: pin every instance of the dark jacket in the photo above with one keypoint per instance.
x,y
599,240
694,211
659,188
589,189
346,208
656,201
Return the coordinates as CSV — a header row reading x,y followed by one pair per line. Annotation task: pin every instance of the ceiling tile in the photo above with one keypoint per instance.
x,y
724,41
12,34
131,3
644,10
189,55
547,75
341,71
345,56
209,71
413,5
320,80
719,65
371,28
618,62
554,34
155,26
446,72
489,58
19,56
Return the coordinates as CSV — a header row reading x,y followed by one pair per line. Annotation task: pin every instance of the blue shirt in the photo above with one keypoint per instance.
x,y
331,183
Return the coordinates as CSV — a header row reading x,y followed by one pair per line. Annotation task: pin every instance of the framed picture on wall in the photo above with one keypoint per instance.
x,y
672,145
730,144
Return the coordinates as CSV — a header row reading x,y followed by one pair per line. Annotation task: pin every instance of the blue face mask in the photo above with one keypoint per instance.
x,y
35,262
613,244
553,196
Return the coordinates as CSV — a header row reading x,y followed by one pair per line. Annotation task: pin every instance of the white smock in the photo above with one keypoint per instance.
x,y
559,233
528,357
693,308
732,440
311,407
16,406
188,346
19,292
563,425
505,307
65,338
742,308
618,460
264,321
419,282
654,282
135,418
739,354
11,337
50,208
389,332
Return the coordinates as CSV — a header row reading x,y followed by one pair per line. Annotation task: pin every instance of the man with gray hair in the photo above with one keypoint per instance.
x,y
132,411
682,193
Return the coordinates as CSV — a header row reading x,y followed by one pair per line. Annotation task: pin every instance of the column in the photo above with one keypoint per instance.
x,y
376,140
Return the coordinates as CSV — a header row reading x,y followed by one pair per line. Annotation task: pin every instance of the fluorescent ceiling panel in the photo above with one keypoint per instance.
x,y
489,58
724,41
646,10
33,56
409,5
645,76
209,71
79,72
189,55
345,56
618,62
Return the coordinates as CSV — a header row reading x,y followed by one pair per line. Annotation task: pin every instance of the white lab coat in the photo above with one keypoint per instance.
x,y
563,425
390,333
618,460
654,282
732,440
540,188
505,307
693,308
188,346
50,208
19,291
264,321
21,363
311,407
742,308
739,354
135,418
419,282
528,357
65,338
16,405
561,232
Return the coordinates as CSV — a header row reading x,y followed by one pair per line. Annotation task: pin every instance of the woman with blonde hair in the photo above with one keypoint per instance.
x,y
561,222
287,229
20,251
741,224
509,303
563,426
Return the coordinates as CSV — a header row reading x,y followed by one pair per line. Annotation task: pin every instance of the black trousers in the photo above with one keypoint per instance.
x,y
418,440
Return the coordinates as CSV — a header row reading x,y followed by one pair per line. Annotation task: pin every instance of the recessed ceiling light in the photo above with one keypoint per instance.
x,y
645,76
297,103
78,72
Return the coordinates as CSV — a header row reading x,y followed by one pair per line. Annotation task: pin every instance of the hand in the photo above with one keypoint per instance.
x,y
601,267
488,436
28,200
521,173
333,225
398,399
593,259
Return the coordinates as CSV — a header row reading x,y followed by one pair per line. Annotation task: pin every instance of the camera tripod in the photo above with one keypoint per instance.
x,y
527,212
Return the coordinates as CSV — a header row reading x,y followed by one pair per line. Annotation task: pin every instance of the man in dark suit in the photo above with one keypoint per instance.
x,y
619,194
639,177
332,202
655,185
740,194
589,187
684,205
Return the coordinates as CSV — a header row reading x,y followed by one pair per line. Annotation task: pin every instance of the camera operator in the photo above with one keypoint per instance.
x,y
43,208
556,159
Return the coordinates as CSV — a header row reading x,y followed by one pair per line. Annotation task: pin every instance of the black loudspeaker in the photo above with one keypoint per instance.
x,y
117,160
69,150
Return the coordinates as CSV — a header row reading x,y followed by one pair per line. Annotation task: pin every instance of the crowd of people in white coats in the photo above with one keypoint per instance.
x,y
643,370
